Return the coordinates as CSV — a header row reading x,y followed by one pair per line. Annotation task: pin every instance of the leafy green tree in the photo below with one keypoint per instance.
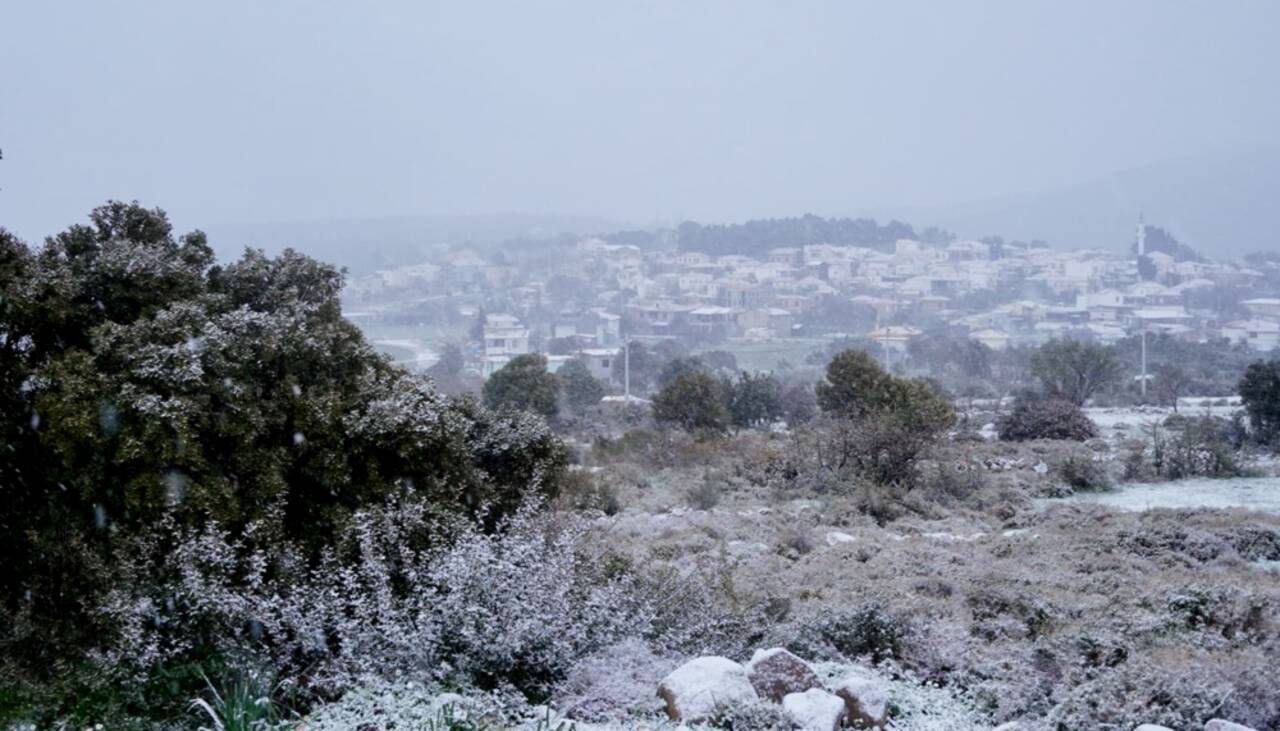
x,y
692,401
676,367
856,386
753,399
524,384
581,389
894,420
645,365
1073,370
146,389
1260,392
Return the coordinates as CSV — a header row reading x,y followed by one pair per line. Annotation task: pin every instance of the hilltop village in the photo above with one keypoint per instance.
x,y
583,298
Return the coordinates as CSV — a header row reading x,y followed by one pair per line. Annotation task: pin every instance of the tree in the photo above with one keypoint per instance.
x,y
1075,371
891,421
1170,383
720,360
451,361
581,389
1260,393
798,403
753,399
524,384
692,401
476,331
676,367
644,367
856,386
1046,419
146,389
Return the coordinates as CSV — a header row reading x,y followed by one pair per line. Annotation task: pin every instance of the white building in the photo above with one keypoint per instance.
x,y
1257,333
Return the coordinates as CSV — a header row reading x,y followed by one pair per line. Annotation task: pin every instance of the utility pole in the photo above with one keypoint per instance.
x,y
1144,362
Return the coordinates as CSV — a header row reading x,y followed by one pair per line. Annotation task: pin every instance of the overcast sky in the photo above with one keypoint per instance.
x,y
648,112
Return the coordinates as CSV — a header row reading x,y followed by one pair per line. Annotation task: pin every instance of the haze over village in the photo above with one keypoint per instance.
x,y
581,297
567,365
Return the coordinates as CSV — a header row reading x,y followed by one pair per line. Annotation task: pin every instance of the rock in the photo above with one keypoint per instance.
x,y
775,673
835,537
1041,468
1010,726
814,710
1152,727
694,690
866,701
1219,724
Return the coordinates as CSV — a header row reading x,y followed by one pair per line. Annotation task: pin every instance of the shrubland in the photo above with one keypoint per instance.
x,y
214,490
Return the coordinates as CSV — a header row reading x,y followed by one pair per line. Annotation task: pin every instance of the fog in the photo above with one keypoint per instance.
x,y
644,113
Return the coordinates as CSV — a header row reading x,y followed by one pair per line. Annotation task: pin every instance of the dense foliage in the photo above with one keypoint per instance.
x,y
524,384
1074,370
148,392
581,389
1046,419
693,401
1260,392
759,236
884,422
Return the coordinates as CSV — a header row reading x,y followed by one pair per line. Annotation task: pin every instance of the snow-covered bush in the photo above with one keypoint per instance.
x,y
516,607
1046,419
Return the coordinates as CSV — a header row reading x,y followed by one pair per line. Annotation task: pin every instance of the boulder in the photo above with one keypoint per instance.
x,y
866,700
1152,727
693,691
775,673
814,710
1009,726
835,538
1219,724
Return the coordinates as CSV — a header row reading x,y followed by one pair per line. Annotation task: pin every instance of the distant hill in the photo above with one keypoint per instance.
x,y
367,244
1224,205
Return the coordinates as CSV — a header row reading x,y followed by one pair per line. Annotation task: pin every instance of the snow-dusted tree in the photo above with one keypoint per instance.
x,y
153,387
524,384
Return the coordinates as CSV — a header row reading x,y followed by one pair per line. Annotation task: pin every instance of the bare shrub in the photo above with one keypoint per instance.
x,y
705,494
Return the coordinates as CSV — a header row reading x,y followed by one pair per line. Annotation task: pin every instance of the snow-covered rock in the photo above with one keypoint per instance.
x,y
693,691
835,538
814,710
775,673
1010,726
1152,727
866,701
1219,724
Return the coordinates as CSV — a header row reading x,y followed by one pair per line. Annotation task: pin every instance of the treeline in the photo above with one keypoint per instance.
x,y
759,236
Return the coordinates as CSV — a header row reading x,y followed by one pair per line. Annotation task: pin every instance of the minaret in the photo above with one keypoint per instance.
x,y
1142,237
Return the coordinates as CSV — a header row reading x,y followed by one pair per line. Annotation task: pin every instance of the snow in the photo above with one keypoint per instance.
x,y
1250,493
697,687
836,537
814,710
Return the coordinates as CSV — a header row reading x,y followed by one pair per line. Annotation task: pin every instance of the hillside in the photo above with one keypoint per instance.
x,y
1218,203
365,244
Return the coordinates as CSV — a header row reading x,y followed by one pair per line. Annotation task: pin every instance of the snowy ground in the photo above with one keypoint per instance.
x,y
1250,493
